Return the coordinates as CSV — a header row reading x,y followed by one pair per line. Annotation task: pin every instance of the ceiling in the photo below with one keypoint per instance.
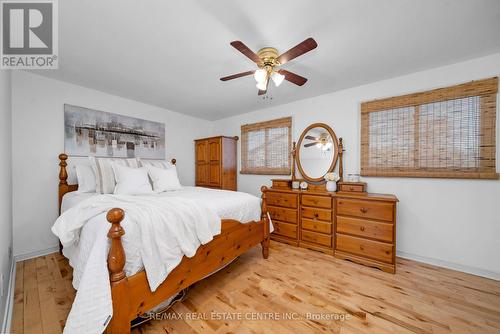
x,y
172,53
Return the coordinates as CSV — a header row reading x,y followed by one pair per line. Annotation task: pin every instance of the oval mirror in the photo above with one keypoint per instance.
x,y
317,152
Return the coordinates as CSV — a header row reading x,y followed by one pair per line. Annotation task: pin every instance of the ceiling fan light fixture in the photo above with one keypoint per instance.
x,y
277,78
262,85
260,75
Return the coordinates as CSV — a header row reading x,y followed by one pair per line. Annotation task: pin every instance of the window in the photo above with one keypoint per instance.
x,y
447,132
266,147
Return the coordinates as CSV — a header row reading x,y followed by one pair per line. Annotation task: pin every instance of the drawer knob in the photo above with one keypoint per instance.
x,y
316,215
364,210
351,188
362,228
361,248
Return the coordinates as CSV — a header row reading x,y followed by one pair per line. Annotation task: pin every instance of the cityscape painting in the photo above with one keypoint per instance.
x,y
89,132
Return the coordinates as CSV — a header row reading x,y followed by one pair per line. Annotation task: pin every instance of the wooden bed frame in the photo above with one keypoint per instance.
x,y
132,296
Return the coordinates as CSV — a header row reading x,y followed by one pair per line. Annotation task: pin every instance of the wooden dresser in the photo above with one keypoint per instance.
x,y
355,226
215,160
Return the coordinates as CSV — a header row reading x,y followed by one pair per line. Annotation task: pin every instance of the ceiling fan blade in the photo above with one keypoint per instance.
x,y
238,45
235,76
292,77
298,50
311,138
310,144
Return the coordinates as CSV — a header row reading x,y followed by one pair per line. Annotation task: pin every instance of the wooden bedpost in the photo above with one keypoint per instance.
x,y
120,322
265,220
63,177
63,184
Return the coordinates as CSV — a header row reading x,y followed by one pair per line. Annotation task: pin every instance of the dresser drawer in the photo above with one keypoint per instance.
x,y
283,214
317,226
368,248
315,213
365,228
365,209
285,229
281,199
317,201
317,238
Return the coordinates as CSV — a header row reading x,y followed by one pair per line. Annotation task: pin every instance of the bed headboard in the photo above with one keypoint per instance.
x,y
64,186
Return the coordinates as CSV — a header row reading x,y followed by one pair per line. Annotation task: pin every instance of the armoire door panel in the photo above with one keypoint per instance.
x,y
214,149
202,151
214,174
202,172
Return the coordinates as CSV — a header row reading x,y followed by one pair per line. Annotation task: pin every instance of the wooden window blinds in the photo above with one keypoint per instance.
x,y
266,147
447,132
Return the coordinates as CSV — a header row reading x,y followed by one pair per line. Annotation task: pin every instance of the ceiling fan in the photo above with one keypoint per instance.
x,y
268,60
323,141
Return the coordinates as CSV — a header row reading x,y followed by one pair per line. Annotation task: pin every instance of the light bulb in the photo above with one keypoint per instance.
x,y
260,75
262,85
277,78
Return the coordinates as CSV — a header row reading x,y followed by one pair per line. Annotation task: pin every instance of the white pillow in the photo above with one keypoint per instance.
x,y
104,176
131,181
155,163
164,179
86,178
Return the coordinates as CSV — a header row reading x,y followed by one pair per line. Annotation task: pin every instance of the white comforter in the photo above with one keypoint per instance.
x,y
160,230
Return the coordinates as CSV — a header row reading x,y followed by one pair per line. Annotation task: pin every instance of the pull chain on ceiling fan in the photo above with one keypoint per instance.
x,y
268,60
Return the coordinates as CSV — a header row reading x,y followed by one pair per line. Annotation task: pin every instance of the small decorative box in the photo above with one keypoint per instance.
x,y
282,184
353,187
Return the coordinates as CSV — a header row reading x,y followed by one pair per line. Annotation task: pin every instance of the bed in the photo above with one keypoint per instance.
x,y
130,291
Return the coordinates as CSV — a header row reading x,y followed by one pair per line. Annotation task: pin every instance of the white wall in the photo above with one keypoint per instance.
x,y
453,223
38,132
5,185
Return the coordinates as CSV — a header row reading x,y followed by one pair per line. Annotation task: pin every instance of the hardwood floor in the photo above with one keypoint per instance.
x,y
419,299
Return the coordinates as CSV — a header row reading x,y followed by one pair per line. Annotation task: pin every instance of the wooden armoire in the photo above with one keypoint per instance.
x,y
215,159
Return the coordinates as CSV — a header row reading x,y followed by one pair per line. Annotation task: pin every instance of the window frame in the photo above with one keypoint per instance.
x,y
266,125
486,90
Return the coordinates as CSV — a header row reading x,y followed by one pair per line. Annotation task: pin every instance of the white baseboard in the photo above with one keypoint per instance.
x,y
450,265
9,305
31,255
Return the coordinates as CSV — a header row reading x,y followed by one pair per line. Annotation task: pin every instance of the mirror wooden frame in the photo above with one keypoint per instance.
x,y
335,157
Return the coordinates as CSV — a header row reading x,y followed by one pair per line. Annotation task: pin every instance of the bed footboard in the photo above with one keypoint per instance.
x,y
132,296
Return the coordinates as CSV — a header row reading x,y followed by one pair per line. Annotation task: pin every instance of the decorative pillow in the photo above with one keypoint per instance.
x,y
164,179
155,163
131,181
86,178
104,176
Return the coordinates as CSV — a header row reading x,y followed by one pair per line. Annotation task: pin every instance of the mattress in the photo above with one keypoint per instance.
x,y
227,204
